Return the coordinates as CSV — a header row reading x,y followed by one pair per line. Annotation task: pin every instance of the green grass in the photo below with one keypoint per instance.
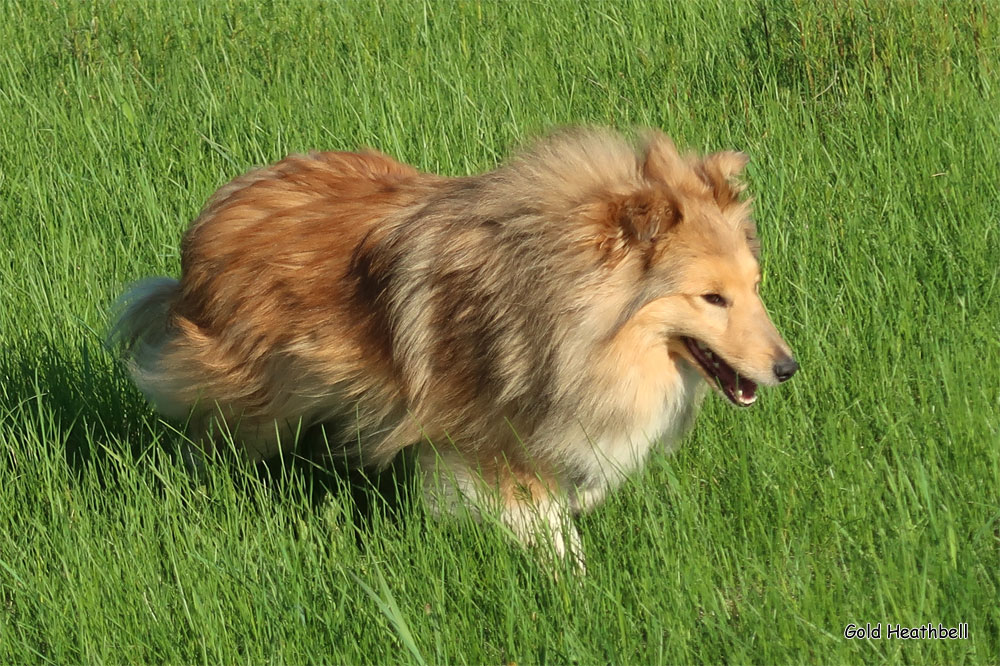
x,y
866,490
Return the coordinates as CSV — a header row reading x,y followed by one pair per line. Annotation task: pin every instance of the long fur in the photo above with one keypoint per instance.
x,y
522,327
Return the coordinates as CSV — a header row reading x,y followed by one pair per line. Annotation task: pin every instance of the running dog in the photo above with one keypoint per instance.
x,y
533,332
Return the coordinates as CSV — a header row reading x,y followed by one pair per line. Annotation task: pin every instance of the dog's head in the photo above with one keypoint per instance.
x,y
688,238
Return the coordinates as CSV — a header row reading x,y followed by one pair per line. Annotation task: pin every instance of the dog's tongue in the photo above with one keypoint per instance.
x,y
740,390
746,390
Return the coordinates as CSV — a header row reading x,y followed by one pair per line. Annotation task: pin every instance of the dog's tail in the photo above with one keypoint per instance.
x,y
140,315
142,332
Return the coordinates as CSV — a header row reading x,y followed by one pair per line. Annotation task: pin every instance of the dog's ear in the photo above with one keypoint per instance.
x,y
721,172
644,215
660,160
631,221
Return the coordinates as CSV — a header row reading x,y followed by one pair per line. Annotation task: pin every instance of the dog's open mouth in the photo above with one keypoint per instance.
x,y
740,390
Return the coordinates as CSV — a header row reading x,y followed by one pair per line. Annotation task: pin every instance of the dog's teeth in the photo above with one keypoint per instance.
x,y
715,364
739,393
701,346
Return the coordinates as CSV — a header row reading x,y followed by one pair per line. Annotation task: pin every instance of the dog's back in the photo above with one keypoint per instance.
x,y
263,269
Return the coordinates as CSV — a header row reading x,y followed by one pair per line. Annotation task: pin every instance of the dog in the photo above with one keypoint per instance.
x,y
530,333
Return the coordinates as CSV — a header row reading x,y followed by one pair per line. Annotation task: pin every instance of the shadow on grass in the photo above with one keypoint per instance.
x,y
324,470
81,402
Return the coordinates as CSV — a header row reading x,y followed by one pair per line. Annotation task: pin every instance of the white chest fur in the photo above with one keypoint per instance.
x,y
652,407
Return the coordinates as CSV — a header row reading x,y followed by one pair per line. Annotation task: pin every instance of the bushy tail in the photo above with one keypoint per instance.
x,y
140,314
141,331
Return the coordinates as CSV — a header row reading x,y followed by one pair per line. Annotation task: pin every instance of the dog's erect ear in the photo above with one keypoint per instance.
x,y
661,163
721,171
660,159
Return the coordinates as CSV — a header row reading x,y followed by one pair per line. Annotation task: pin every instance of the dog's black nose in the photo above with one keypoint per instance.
x,y
785,368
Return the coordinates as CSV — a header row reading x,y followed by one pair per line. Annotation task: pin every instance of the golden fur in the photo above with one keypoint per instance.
x,y
534,331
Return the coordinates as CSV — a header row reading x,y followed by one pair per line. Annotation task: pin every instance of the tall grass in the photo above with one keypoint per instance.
x,y
866,490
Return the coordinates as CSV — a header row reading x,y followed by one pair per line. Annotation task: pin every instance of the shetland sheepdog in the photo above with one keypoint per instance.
x,y
532,332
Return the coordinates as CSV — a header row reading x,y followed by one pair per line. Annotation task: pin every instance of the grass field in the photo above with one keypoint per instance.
x,y
865,490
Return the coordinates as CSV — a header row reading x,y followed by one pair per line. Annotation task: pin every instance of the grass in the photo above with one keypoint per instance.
x,y
866,490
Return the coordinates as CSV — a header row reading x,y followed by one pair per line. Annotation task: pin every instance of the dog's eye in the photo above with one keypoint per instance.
x,y
715,299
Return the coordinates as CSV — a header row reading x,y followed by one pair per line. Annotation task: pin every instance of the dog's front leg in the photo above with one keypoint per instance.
x,y
545,525
534,508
